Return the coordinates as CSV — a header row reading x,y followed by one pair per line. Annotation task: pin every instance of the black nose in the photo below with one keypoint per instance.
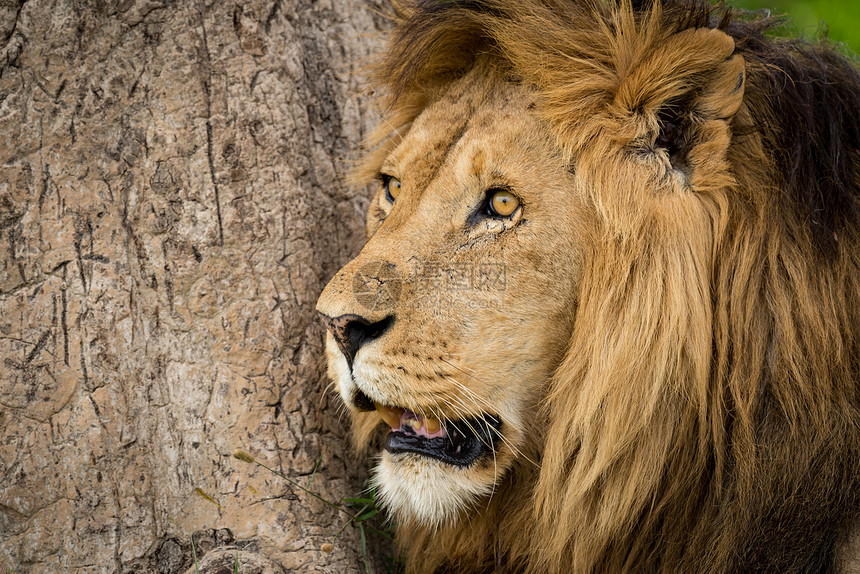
x,y
352,331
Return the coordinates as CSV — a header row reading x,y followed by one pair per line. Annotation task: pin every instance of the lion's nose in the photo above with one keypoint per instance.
x,y
352,331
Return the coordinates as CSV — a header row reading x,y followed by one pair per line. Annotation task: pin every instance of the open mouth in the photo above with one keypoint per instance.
x,y
458,443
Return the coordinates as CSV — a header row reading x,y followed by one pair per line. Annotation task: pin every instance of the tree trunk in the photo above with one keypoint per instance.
x,y
171,205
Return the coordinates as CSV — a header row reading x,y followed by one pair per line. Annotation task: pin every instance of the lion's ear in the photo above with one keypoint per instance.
x,y
723,91
683,122
698,66
684,94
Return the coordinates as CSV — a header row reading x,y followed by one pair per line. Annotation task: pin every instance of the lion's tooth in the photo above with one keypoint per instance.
x,y
414,423
391,415
432,425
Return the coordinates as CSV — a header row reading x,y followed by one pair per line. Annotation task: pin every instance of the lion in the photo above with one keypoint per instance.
x,y
607,318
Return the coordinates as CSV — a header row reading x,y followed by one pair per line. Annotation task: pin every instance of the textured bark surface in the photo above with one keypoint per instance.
x,y
171,205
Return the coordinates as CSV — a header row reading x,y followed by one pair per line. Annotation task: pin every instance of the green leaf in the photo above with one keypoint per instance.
x,y
368,514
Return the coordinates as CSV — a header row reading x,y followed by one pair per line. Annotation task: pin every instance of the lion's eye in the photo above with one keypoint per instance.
x,y
501,203
392,186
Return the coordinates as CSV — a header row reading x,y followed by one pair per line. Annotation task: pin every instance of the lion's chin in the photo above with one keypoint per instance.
x,y
427,476
421,490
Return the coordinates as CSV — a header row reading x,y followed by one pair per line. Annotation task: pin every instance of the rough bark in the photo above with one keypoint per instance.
x,y
171,205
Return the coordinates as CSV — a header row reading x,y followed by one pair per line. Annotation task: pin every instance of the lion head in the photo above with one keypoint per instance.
x,y
608,314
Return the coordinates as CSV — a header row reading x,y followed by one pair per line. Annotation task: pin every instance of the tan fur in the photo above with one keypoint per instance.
x,y
673,361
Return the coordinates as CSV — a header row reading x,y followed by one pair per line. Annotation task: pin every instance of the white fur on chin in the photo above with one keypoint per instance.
x,y
417,489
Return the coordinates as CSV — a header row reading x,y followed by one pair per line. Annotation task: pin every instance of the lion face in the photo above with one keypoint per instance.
x,y
454,315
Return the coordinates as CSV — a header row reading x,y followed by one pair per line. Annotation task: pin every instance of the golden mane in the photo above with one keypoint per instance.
x,y
707,415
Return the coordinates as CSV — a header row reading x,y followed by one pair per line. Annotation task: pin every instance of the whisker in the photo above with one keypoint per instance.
x,y
517,452
469,393
474,376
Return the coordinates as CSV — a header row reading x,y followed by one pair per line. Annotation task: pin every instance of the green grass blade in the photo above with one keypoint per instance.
x,y
364,547
314,473
369,514
194,553
357,500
